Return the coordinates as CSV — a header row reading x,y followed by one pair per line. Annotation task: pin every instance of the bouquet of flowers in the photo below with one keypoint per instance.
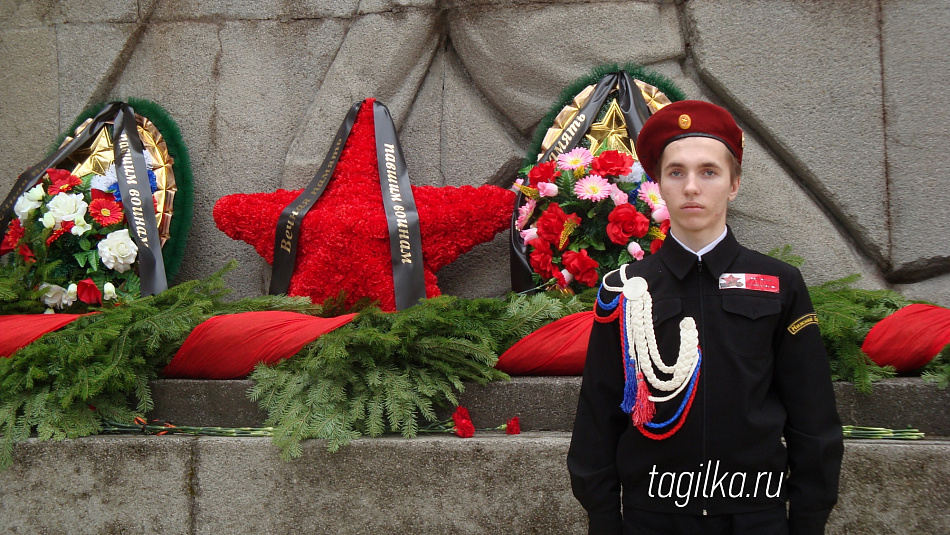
x,y
70,238
588,214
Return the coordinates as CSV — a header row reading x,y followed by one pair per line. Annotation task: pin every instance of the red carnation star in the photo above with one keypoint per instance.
x,y
106,212
61,181
14,233
344,238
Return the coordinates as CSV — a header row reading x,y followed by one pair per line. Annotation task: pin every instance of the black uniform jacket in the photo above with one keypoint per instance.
x,y
764,376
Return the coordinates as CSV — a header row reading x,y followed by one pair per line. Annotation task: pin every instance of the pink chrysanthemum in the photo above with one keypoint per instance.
x,y
579,157
524,212
592,188
650,192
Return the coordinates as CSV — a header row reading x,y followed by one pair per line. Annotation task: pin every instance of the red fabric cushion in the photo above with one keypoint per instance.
x,y
909,338
228,347
20,330
558,348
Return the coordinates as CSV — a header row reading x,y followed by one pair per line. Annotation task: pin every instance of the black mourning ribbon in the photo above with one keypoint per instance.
x,y
401,215
635,113
132,174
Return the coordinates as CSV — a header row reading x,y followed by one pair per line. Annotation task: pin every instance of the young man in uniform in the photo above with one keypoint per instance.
x,y
671,438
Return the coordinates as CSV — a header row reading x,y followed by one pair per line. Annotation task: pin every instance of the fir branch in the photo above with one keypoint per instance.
x,y
938,369
64,383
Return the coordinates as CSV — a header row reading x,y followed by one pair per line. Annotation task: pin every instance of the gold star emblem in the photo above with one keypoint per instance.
x,y
611,132
96,158
685,121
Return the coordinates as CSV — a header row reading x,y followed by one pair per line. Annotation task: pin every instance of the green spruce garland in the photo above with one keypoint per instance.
x,y
383,372
66,382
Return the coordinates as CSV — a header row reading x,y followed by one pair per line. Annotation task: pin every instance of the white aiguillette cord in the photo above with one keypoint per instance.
x,y
641,338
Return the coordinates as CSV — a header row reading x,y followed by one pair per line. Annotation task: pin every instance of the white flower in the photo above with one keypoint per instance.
x,y
117,251
71,292
36,194
81,227
66,207
103,183
108,291
28,202
56,296
636,174
48,220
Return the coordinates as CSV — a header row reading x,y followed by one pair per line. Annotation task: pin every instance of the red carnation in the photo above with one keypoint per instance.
x,y
61,181
543,172
88,292
655,245
463,422
542,258
665,227
26,253
582,266
14,233
513,427
551,225
612,162
66,227
626,222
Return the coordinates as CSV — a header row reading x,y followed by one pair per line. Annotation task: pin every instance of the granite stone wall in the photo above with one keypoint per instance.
x,y
844,103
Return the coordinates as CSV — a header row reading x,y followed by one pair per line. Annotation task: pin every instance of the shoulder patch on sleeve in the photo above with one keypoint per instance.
x,y
802,322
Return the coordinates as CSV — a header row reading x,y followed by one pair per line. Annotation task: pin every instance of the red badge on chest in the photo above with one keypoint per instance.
x,y
749,281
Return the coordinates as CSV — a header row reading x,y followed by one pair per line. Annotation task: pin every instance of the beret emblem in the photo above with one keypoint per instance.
x,y
685,121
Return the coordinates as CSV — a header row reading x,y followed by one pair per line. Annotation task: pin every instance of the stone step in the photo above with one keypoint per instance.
x,y
548,404
442,484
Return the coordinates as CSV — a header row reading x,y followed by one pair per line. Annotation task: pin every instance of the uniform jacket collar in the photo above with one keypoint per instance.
x,y
680,260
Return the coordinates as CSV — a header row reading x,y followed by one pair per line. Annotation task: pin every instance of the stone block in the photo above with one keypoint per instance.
x,y
935,290
916,37
238,91
773,210
806,78
433,484
29,118
219,10
380,6
893,487
205,403
99,485
45,12
383,56
87,55
549,404
521,57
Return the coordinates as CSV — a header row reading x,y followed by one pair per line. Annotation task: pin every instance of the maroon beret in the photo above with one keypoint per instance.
x,y
686,118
